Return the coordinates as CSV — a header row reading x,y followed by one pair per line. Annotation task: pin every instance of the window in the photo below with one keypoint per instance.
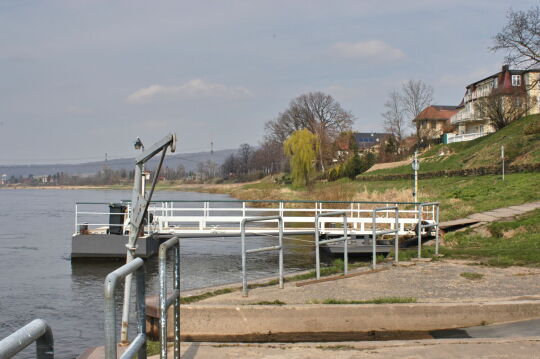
x,y
481,128
495,82
516,80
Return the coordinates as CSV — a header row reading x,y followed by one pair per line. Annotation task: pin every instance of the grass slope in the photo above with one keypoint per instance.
x,y
515,242
521,141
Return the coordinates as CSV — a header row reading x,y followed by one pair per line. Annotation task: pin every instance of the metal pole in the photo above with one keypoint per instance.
x,y
133,234
396,240
177,303
437,231
317,255
345,249
373,240
420,231
280,223
163,304
244,279
141,311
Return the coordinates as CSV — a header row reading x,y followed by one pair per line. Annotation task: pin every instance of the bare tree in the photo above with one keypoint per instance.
x,y
315,111
520,38
501,109
394,120
244,155
415,96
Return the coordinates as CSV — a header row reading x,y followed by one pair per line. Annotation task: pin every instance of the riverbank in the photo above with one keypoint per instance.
x,y
459,196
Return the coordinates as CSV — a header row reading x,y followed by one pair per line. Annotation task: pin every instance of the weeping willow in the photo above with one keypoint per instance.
x,y
302,147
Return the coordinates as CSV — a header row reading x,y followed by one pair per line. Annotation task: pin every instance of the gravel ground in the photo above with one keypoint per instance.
x,y
439,281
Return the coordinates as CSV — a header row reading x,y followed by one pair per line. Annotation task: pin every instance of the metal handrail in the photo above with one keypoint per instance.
x,y
375,233
138,345
263,201
333,240
435,225
264,249
166,301
36,331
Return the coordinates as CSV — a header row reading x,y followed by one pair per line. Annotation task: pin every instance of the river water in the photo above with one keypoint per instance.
x,y
38,280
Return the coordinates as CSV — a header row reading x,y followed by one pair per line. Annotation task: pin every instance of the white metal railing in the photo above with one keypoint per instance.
x,y
465,137
225,217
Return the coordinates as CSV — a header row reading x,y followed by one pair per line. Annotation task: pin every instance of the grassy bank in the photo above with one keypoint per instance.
x,y
521,140
509,243
459,196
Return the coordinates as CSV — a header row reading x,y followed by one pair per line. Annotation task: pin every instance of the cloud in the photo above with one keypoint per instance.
x,y
193,88
372,50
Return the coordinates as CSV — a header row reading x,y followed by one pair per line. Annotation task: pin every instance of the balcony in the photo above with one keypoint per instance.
x,y
453,138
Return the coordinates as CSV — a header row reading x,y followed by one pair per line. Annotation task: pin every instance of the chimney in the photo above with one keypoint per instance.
x,y
505,68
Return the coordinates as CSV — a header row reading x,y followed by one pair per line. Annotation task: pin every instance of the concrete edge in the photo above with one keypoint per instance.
x,y
344,322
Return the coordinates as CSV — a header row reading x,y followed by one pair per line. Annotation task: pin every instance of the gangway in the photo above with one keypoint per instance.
x,y
223,218
188,218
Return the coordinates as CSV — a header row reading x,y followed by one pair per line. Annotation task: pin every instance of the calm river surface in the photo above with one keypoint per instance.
x,y
38,280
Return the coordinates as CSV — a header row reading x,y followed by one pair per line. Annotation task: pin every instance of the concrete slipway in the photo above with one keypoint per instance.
x,y
445,300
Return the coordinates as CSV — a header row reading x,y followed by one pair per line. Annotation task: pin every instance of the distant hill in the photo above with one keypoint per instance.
x,y
521,140
188,160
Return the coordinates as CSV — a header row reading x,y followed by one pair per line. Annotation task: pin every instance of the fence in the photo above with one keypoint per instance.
x,y
421,225
164,301
376,233
264,249
318,242
138,345
36,331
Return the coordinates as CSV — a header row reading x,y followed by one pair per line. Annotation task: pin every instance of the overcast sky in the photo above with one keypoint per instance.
x,y
80,78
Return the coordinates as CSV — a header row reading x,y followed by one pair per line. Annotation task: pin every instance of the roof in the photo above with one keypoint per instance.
x,y
504,69
370,139
437,112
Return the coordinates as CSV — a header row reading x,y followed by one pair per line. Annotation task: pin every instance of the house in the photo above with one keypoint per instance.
x,y
434,120
366,141
469,125
370,141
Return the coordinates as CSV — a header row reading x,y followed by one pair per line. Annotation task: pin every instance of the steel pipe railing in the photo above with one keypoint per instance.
x,y
435,225
279,247
376,233
318,242
166,301
138,345
36,331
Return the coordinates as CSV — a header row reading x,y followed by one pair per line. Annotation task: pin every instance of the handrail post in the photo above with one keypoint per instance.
x,y
164,300
374,233
345,248
318,242
141,311
317,255
437,230
244,251
138,345
373,241
243,237
396,239
420,231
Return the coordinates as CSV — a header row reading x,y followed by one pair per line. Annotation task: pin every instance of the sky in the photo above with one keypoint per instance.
x,y
81,78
